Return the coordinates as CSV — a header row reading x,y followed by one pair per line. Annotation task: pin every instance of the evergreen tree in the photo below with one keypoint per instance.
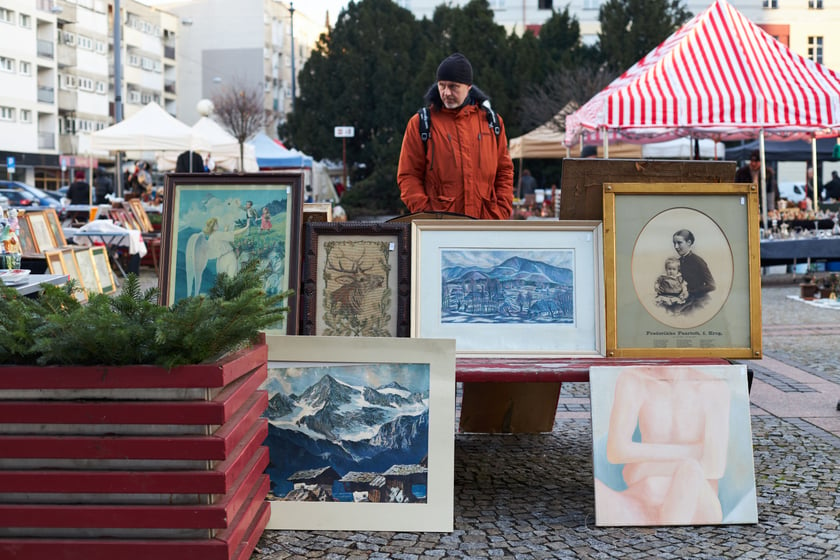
x,y
630,29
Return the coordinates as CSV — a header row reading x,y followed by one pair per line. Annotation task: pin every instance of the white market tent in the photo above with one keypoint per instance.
x,y
149,129
211,138
719,76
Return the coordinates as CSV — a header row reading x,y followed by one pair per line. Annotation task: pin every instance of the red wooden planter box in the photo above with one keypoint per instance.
x,y
134,462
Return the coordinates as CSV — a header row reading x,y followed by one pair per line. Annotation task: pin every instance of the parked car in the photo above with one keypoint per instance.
x,y
44,200
59,194
19,198
4,202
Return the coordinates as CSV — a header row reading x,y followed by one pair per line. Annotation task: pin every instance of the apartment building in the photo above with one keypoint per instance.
x,y
57,79
249,47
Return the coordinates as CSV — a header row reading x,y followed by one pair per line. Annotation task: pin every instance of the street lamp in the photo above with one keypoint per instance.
x,y
292,33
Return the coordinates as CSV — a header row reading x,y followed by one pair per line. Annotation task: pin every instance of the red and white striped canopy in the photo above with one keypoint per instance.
x,y
719,76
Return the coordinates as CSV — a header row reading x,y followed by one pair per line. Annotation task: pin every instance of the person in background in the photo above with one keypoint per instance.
x,y
527,183
751,173
144,184
463,166
832,188
189,162
103,186
209,164
79,190
589,152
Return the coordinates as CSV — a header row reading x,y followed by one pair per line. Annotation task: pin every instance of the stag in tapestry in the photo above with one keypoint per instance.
x,y
356,295
507,286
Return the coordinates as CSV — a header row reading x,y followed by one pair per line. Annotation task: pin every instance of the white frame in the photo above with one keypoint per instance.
x,y
437,514
584,337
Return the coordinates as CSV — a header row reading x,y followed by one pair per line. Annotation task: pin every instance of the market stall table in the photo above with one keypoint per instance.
x,y
113,237
788,251
32,283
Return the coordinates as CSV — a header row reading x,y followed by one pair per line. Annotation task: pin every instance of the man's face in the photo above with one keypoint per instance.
x,y
453,94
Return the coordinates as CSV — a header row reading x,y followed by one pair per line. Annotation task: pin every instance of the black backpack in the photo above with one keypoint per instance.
x,y
425,122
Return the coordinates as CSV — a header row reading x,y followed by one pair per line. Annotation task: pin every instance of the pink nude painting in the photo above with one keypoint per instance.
x,y
672,445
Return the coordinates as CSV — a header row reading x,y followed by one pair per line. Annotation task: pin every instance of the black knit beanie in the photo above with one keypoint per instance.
x,y
455,68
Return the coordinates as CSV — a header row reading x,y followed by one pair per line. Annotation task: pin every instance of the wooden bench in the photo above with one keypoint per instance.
x,y
520,395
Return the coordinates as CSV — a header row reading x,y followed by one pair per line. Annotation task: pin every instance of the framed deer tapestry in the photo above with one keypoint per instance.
x,y
356,279
217,223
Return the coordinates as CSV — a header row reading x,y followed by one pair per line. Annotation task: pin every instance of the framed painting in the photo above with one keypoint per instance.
x,y
682,270
87,270
140,215
709,413
355,279
55,227
25,236
55,263
216,223
68,255
509,288
362,441
317,212
103,270
41,232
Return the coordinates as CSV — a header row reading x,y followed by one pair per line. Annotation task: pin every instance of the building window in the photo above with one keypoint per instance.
x,y
591,4
815,4
84,42
25,21
545,5
24,68
815,49
7,64
25,116
772,4
7,114
7,15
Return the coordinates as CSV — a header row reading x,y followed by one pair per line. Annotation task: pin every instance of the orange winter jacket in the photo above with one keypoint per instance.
x,y
463,167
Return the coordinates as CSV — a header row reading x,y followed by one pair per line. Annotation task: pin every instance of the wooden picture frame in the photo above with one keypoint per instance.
x,y
509,288
107,283
125,218
140,214
356,279
87,270
206,228
711,229
25,236
406,486
42,235
55,262
317,212
62,261
55,227
72,267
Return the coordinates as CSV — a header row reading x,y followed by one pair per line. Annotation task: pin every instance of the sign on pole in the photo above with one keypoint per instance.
x,y
344,132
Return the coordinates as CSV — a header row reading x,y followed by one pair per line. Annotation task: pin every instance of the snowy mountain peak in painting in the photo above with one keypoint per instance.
x,y
335,410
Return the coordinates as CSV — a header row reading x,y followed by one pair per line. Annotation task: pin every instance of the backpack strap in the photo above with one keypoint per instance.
x,y
425,122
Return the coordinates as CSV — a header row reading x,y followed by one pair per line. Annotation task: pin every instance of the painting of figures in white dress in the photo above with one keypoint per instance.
x,y
507,286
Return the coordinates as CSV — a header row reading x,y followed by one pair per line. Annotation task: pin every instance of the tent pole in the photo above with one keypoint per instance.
x,y
814,174
763,182
519,184
606,143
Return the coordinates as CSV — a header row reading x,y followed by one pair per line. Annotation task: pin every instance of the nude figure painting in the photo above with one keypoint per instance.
x,y
672,445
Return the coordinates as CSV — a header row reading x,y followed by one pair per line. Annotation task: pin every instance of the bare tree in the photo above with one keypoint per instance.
x,y
241,110
560,94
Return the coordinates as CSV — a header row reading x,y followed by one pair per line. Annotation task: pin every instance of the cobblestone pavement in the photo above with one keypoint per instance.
x,y
531,496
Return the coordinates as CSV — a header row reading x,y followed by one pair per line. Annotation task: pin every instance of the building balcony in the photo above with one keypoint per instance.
x,y
67,99
66,56
169,52
46,48
68,144
169,86
46,94
46,140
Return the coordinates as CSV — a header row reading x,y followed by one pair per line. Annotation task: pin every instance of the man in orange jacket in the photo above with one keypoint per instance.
x,y
464,165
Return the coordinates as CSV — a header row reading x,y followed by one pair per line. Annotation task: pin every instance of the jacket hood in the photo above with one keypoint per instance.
x,y
474,97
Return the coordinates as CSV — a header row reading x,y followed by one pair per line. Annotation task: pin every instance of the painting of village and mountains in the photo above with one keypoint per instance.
x,y
348,432
507,286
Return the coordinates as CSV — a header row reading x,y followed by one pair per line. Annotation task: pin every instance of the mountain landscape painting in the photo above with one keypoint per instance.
x,y
492,286
352,432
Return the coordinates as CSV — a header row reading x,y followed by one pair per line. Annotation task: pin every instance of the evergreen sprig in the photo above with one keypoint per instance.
x,y
132,328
